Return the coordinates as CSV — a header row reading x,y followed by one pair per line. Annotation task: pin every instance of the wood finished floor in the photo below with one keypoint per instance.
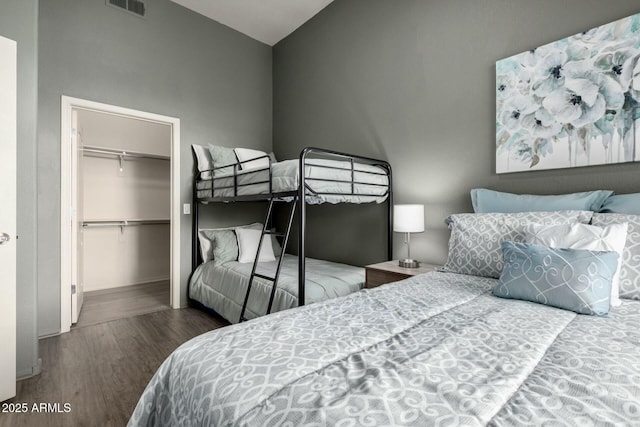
x,y
127,301
101,370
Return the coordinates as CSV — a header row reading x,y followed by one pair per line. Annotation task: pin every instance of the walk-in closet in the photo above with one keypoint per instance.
x,y
123,211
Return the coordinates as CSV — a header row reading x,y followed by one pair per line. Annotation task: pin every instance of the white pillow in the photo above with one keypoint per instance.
x,y
248,240
205,162
581,236
244,154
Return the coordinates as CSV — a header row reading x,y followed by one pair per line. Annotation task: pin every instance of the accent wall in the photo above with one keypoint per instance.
x,y
413,82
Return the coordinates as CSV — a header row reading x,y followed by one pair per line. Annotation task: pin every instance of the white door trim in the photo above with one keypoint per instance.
x,y
68,104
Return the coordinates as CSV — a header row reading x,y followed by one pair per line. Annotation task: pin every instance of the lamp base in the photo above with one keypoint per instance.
x,y
409,263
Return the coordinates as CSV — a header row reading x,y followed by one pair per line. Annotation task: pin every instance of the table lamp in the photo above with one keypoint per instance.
x,y
408,219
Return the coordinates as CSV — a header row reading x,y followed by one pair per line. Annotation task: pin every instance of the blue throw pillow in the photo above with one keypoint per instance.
x,y
572,279
622,204
487,201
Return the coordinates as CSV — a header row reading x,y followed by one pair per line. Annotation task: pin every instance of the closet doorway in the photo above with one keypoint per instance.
x,y
120,212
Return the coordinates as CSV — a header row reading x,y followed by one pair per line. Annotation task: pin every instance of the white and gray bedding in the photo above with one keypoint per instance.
x,y
223,287
370,187
436,349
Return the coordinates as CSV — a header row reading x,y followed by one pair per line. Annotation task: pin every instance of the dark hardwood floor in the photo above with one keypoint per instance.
x,y
127,301
101,370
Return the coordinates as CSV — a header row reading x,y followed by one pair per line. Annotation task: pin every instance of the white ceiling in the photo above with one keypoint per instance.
x,y
268,21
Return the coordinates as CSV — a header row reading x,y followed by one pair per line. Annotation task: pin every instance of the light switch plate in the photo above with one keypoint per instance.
x,y
186,208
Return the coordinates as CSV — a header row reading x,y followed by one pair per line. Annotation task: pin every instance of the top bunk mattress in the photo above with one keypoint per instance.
x,y
327,181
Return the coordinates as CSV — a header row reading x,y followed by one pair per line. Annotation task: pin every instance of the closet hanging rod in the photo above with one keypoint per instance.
x,y
124,223
124,153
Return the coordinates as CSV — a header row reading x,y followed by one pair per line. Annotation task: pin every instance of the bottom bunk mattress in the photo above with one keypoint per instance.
x,y
223,287
436,349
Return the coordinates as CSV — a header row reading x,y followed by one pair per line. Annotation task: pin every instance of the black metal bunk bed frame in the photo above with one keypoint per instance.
x,y
296,197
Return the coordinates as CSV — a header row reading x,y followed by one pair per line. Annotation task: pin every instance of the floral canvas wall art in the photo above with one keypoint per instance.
x,y
574,102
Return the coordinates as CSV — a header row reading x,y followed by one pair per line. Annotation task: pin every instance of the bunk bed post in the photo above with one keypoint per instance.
x,y
389,215
302,204
194,229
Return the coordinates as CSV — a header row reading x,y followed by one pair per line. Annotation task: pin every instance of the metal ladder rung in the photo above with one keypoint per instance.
x,y
275,233
266,231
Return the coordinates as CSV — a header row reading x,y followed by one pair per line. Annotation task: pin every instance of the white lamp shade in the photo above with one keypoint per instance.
x,y
408,218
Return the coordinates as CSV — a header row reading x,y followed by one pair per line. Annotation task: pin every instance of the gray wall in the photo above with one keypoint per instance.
x,y
173,62
413,82
19,21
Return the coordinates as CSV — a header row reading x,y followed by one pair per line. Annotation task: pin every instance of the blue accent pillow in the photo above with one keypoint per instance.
x,y
622,204
487,201
572,279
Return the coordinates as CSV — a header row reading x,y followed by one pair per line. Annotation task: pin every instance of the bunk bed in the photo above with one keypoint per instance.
x,y
329,177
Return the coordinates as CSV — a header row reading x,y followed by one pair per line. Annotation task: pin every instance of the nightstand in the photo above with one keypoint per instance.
x,y
390,271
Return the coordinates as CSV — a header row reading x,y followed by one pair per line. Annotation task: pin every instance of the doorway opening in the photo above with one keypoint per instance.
x,y
120,211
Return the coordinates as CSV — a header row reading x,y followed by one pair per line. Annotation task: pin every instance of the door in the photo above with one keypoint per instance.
x,y
8,136
77,283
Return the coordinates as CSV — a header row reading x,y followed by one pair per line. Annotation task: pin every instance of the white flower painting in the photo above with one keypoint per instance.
x,y
574,102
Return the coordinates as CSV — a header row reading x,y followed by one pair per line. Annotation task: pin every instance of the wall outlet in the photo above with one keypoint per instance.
x,y
186,209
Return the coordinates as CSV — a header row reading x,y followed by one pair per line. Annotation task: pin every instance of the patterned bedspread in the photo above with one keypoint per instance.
x,y
435,349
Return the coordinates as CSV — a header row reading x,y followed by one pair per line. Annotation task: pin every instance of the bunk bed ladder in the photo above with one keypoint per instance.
x,y
266,231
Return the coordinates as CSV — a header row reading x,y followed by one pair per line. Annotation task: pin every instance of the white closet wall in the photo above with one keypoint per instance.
x,y
114,256
112,131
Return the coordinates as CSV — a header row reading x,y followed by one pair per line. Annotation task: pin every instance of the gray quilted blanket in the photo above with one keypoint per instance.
x,y
436,349
223,287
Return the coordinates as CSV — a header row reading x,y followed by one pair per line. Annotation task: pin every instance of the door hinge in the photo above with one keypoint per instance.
x,y
73,289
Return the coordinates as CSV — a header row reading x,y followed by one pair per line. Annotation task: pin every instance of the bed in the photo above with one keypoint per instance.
x,y
222,287
436,349
522,326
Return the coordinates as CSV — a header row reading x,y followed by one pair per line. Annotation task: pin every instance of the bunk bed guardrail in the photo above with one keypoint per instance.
x,y
215,185
236,185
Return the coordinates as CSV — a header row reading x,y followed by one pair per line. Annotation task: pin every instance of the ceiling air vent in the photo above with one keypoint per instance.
x,y
132,6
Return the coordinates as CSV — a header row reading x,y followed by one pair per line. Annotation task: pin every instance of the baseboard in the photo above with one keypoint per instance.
x,y
32,372
49,334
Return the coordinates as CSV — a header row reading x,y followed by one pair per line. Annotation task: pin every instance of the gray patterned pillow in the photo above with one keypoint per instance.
x,y
476,239
630,268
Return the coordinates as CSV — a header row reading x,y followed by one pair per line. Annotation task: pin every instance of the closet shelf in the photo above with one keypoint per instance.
x,y
87,149
123,223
